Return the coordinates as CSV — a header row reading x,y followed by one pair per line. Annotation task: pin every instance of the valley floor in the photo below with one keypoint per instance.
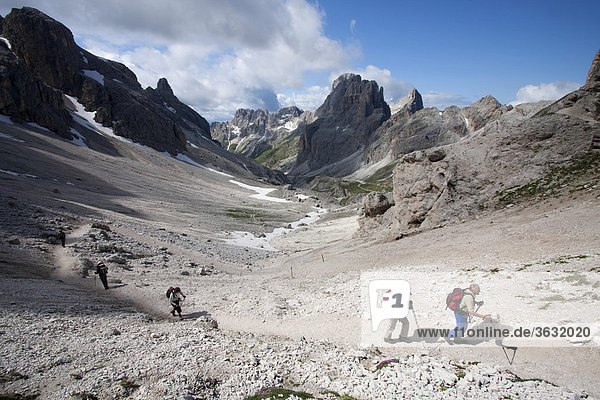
x,y
292,319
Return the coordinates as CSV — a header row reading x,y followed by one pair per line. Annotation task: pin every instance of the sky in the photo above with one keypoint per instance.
x,y
222,55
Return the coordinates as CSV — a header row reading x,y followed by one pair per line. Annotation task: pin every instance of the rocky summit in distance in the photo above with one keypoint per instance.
x,y
526,152
270,138
334,143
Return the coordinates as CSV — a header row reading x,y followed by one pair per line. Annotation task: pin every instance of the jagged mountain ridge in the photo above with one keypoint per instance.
x,y
44,62
530,151
254,133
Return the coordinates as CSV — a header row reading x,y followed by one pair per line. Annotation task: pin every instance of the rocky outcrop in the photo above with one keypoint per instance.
x,y
483,111
183,114
48,49
26,98
410,104
343,127
438,186
593,78
375,204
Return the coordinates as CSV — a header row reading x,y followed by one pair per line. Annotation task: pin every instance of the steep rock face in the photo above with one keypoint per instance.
x,y
253,132
26,98
474,174
410,104
593,78
109,88
422,129
343,127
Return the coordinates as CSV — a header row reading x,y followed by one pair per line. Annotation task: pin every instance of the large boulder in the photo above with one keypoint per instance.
x,y
376,204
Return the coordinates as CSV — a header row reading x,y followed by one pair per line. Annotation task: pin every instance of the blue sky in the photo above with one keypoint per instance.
x,y
221,55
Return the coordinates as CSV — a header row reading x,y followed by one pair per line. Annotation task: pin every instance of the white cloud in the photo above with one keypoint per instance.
x,y
217,55
544,91
443,100
309,99
352,25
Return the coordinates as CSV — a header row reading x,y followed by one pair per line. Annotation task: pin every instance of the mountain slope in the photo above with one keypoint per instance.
x,y
49,61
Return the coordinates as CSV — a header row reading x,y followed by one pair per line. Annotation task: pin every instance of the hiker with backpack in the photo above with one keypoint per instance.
x,y
62,237
102,272
462,302
176,297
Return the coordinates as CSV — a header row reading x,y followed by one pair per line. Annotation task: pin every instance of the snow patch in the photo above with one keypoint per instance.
x,y
33,124
8,137
301,196
261,193
3,171
184,158
78,139
6,118
247,239
95,75
170,108
291,125
5,40
86,118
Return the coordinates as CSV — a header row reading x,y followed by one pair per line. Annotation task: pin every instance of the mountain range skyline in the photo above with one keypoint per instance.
x,y
222,56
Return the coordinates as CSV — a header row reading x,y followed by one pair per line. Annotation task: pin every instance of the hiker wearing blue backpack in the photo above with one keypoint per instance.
x,y
462,302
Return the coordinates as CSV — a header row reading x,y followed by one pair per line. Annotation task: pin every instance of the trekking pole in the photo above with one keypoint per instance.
x,y
414,314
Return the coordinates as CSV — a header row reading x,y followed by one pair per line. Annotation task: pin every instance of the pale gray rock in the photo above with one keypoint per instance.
x,y
375,204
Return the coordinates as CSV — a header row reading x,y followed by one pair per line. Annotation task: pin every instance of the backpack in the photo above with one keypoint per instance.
x,y
169,291
454,298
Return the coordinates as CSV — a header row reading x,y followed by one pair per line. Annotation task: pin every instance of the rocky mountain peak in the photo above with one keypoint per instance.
x,y
593,77
410,104
483,111
164,89
343,126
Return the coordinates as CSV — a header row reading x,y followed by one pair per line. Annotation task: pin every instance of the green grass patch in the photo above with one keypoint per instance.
x,y
12,376
585,165
241,213
279,152
279,393
17,396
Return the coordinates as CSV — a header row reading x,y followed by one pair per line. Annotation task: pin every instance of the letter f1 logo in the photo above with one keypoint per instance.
x,y
388,299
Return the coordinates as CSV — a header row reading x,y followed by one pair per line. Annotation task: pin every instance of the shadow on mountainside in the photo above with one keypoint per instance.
x,y
40,172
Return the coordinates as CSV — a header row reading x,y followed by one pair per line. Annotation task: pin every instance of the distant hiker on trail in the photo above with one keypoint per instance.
x,y
175,296
462,302
62,237
102,272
